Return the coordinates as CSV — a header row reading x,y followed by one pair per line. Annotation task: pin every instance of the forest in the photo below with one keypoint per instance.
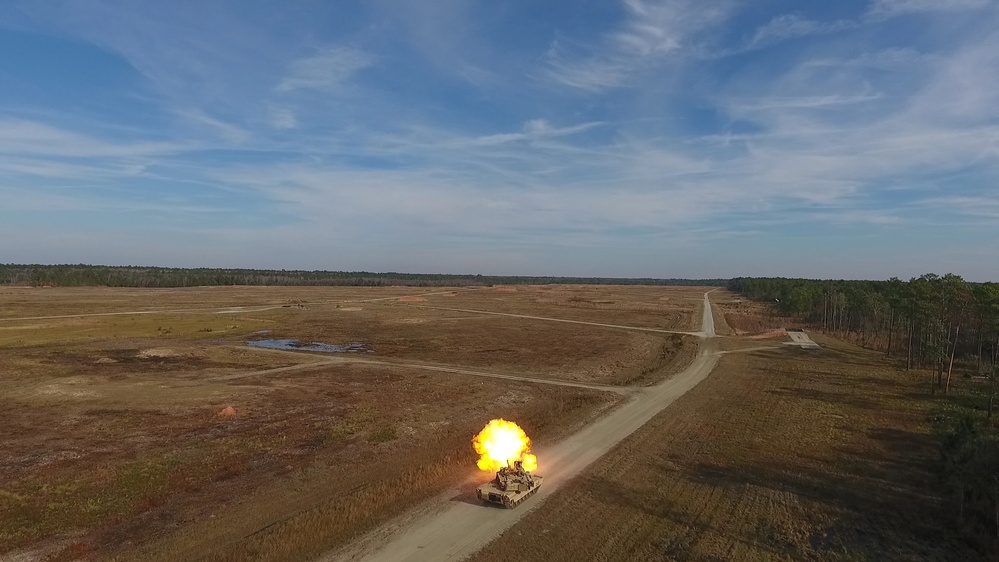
x,y
132,276
941,328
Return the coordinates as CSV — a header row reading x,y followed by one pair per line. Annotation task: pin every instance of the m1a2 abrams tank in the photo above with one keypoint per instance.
x,y
510,487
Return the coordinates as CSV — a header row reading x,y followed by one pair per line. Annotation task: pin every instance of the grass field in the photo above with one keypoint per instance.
x,y
780,454
117,443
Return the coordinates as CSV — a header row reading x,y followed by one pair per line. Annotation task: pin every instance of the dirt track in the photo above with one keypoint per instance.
x,y
566,320
454,525
340,360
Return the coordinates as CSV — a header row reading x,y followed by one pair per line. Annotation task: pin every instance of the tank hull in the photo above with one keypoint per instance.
x,y
509,498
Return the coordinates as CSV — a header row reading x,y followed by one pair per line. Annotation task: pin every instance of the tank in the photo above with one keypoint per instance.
x,y
510,487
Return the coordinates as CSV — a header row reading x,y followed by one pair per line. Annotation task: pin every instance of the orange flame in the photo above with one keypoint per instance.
x,y
501,443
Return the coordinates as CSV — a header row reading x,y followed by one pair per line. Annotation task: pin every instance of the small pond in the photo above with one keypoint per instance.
x,y
295,345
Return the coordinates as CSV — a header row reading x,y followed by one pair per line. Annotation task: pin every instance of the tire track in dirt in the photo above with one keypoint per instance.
x,y
454,525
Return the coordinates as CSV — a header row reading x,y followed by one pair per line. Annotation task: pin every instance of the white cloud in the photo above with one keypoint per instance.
x,y
863,134
652,31
442,201
326,70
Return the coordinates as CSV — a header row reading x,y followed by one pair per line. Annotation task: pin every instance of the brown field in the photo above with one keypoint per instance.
x,y
115,443
780,454
145,428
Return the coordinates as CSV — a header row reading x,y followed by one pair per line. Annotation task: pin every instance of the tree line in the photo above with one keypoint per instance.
x,y
942,326
931,321
82,275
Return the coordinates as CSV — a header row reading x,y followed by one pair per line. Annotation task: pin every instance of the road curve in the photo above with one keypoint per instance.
x,y
452,527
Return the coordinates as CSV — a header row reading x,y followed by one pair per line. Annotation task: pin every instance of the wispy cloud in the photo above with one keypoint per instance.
x,y
651,32
19,137
882,9
325,71
227,131
535,129
806,102
282,118
791,26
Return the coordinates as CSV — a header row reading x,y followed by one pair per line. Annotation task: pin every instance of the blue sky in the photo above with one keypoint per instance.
x,y
848,139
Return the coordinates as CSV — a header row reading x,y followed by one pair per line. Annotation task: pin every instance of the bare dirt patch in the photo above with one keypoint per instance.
x,y
159,352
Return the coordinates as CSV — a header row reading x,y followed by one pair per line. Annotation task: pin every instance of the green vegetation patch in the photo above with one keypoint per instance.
x,y
383,435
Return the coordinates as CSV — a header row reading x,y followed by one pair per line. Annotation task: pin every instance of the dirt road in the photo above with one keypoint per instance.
x,y
455,525
354,360
564,320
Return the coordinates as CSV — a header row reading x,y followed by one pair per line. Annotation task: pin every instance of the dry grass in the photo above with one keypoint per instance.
x,y
21,302
667,308
129,473
113,446
745,317
778,455
331,508
504,344
393,328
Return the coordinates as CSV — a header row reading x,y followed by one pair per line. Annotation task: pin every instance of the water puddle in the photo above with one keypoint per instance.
x,y
295,345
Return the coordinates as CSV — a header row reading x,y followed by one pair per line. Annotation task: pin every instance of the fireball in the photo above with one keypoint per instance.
x,y
501,443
